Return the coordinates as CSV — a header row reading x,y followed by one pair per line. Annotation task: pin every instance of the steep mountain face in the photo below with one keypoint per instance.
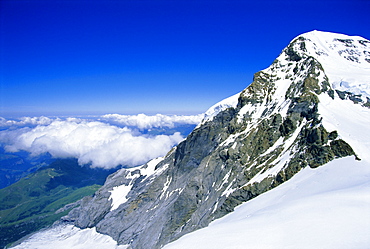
x,y
246,145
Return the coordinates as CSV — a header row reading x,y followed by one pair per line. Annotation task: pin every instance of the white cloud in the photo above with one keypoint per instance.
x,y
101,144
25,121
143,121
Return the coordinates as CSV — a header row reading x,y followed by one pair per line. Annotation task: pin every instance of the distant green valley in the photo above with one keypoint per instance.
x,y
37,200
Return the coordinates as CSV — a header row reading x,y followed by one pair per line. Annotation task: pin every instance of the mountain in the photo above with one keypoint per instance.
x,y
325,207
16,165
41,198
302,121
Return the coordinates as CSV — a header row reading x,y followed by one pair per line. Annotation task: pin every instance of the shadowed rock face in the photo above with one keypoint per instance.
x,y
272,133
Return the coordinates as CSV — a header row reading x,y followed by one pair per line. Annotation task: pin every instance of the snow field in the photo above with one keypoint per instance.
x,y
68,236
327,207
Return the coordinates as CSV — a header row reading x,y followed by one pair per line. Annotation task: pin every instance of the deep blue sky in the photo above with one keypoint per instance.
x,y
172,57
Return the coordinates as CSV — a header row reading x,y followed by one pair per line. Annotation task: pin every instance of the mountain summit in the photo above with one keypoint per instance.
x,y
309,108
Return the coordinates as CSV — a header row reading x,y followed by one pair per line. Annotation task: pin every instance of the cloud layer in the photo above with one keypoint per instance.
x,y
143,121
93,142
25,121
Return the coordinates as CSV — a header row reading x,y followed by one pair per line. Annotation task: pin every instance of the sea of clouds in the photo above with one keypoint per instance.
x,y
106,141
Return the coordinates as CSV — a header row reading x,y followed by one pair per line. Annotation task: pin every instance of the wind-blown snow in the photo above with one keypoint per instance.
x,y
327,207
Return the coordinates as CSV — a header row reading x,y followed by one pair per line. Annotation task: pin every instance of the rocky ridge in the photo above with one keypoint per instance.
x,y
240,150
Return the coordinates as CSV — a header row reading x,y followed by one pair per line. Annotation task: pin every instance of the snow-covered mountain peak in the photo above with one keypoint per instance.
x,y
345,59
335,48
310,108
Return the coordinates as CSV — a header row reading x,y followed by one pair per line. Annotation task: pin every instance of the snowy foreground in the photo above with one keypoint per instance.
x,y
327,207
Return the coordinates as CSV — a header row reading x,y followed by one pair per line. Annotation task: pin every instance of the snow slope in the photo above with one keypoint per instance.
x,y
345,59
350,120
231,101
327,207
68,236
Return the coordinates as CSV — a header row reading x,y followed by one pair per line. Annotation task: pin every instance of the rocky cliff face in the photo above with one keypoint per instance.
x,y
246,146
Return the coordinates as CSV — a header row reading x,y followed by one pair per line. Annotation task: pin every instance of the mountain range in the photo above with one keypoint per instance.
x,y
283,164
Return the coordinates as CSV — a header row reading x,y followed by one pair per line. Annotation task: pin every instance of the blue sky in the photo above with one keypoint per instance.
x,y
134,56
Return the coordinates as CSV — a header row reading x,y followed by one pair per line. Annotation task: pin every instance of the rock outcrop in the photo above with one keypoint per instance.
x,y
243,150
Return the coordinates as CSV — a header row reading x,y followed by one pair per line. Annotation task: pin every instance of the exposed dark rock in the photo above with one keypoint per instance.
x,y
341,149
317,136
287,127
292,55
211,172
355,98
333,135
